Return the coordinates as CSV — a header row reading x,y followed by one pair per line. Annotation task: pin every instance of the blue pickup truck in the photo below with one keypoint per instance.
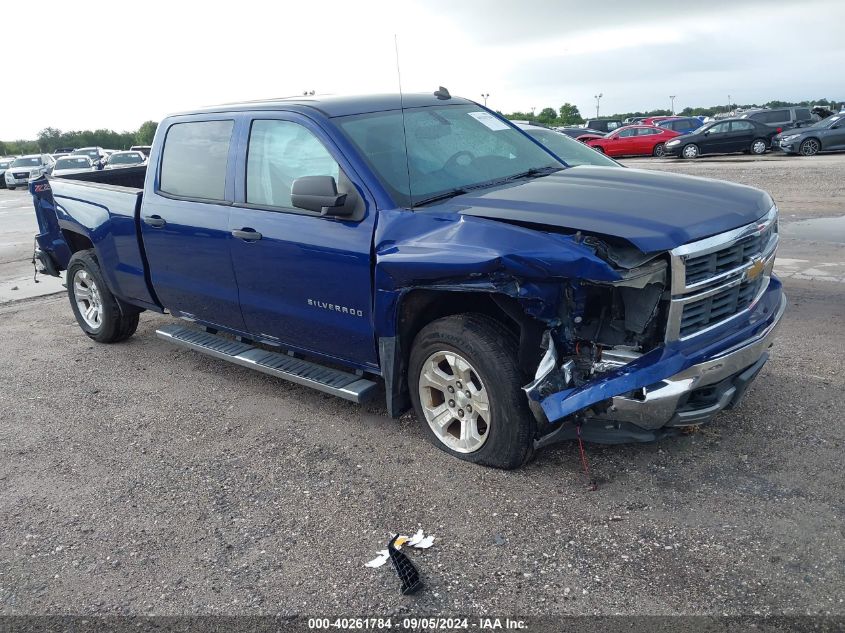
x,y
427,249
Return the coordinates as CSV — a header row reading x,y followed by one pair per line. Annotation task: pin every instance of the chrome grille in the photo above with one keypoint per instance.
x,y
716,279
703,313
702,267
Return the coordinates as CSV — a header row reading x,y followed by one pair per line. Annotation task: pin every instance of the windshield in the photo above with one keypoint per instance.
x,y
93,154
829,121
449,147
572,152
5,163
125,159
73,163
27,162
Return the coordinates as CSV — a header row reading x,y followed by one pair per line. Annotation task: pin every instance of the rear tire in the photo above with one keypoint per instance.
x,y
466,388
690,151
11,188
659,150
600,150
758,147
809,147
99,313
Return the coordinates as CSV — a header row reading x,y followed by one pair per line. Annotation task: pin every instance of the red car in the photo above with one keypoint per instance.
x,y
654,120
634,140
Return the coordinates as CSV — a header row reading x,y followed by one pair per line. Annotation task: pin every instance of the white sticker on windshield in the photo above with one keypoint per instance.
x,y
489,120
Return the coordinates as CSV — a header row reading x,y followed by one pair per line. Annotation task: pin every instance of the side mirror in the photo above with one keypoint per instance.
x,y
707,133
319,193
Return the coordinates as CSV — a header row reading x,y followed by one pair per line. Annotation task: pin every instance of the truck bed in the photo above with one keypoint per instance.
x,y
131,177
100,209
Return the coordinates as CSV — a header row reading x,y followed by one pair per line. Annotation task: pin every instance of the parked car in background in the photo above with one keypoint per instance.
x,y
783,118
827,134
724,137
654,120
65,150
119,160
96,154
144,149
682,125
25,169
72,165
575,132
633,120
603,125
634,140
570,151
58,155
5,163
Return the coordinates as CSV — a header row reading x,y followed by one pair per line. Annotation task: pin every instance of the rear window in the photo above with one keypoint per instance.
x,y
125,159
73,163
193,163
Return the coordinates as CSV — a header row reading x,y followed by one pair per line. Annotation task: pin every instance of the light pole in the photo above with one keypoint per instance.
x,y
729,103
484,96
598,102
672,100
532,113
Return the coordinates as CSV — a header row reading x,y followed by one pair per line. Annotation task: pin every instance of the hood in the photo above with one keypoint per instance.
x,y
654,211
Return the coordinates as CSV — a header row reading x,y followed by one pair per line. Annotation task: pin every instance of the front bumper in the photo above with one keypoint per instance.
x,y
691,396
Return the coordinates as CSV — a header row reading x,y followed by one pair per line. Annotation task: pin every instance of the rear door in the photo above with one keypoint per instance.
x,y
185,222
740,136
305,280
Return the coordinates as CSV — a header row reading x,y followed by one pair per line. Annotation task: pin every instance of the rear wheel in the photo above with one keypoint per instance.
x,y
690,151
659,150
99,313
11,188
600,150
466,387
809,147
758,146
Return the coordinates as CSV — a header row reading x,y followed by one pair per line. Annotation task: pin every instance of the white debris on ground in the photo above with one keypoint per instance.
x,y
417,541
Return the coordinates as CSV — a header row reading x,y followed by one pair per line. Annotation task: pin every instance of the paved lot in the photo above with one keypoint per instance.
x,y
140,478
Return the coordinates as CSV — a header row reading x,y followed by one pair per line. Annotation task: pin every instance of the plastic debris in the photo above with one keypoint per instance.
x,y
379,560
405,569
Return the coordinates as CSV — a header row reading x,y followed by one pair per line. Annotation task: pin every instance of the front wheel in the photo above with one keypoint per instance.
x,y
690,151
11,188
758,147
809,147
98,312
466,387
659,150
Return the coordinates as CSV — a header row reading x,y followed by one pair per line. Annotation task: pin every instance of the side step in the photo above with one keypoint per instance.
x,y
338,383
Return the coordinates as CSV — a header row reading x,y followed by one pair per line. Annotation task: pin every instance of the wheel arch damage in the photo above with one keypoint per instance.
x,y
536,280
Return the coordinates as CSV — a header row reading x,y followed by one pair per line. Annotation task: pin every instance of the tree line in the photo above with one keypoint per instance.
x,y
568,114
50,139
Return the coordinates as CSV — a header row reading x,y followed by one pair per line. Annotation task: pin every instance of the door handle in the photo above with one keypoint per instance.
x,y
247,235
156,221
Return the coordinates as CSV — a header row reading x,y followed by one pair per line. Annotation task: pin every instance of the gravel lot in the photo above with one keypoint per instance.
x,y
144,479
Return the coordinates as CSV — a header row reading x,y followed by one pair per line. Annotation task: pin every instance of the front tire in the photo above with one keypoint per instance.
x,y
758,147
11,188
659,150
690,151
809,147
99,313
466,388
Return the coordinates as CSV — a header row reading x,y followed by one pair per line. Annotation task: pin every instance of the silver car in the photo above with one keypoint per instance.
x,y
73,165
119,160
5,162
25,169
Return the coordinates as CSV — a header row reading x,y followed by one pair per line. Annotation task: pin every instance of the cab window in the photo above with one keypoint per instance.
x,y
194,159
279,153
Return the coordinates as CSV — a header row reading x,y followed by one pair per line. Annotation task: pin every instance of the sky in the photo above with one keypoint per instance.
x,y
116,64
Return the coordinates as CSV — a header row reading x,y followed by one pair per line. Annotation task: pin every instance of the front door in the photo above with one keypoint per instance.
x,y
716,139
305,280
185,224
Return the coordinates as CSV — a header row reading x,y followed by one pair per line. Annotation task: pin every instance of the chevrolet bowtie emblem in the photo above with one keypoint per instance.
x,y
755,269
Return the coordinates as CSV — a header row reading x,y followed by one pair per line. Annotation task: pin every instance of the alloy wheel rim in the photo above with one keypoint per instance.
x,y
659,151
454,401
810,148
88,299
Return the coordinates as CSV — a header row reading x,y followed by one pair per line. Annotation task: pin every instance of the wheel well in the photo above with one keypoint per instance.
x,y
76,241
420,307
